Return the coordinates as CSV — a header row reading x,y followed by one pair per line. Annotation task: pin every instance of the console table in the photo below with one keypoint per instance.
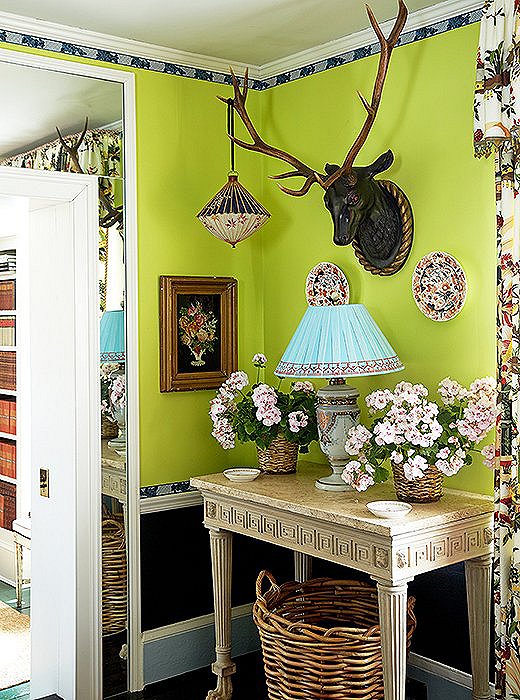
x,y
290,512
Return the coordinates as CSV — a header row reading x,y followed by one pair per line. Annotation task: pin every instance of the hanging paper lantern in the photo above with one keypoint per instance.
x,y
233,214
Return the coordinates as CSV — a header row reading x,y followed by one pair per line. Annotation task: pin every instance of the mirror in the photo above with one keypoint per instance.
x,y
40,101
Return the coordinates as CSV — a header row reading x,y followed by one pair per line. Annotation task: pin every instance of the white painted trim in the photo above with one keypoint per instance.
x,y
131,47
133,461
351,42
447,673
172,501
195,623
108,42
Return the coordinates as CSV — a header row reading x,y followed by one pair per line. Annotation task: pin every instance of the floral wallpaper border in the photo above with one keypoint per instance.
x,y
122,59
165,489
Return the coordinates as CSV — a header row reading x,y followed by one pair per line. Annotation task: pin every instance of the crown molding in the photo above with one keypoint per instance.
x,y
130,47
416,20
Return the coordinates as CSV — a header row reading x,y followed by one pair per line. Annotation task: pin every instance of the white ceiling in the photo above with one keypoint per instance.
x,y
36,101
247,31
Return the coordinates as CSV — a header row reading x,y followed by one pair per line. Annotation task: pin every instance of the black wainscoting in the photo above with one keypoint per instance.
x,y
176,582
176,567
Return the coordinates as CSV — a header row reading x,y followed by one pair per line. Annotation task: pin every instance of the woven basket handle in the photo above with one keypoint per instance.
x,y
259,581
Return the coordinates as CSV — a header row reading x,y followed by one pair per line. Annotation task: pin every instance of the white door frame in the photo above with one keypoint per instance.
x,y
70,661
126,79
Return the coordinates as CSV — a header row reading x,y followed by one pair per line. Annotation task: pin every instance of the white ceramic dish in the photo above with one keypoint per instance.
x,y
241,474
390,510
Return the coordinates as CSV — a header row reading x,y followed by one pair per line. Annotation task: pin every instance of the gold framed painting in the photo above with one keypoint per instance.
x,y
198,331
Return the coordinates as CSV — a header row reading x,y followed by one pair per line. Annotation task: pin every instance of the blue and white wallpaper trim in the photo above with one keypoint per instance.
x,y
165,489
123,59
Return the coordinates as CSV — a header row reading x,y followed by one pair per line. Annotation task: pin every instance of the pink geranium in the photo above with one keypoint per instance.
x,y
416,434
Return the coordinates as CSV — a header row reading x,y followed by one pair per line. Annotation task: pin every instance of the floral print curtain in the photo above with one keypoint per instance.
x,y
99,154
497,119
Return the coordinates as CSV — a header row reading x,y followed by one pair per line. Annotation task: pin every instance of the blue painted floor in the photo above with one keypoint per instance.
x,y
17,692
8,595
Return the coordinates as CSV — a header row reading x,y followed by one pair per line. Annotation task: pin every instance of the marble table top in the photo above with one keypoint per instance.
x,y
297,493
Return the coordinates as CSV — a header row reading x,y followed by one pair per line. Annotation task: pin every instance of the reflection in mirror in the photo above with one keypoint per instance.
x,y
88,115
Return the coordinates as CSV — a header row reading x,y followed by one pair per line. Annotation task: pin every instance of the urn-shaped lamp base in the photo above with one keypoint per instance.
x,y
337,411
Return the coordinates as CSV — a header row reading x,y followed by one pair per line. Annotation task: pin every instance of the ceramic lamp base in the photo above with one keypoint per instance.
x,y
336,412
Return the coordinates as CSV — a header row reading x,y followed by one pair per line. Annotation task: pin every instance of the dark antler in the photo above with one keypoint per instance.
x,y
387,46
301,169
114,215
260,146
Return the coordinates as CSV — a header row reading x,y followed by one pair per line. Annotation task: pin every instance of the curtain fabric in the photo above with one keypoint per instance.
x,y
99,154
497,122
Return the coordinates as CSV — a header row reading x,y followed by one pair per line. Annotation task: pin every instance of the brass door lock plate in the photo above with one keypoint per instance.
x,y
44,483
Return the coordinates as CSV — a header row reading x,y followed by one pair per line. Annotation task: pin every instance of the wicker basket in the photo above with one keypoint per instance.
x,y
114,577
321,639
280,457
425,490
109,429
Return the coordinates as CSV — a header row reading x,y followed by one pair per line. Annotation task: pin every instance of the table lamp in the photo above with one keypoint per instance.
x,y
335,340
112,349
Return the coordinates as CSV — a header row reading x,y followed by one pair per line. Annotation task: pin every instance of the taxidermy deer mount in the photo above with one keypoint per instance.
x,y
374,215
113,215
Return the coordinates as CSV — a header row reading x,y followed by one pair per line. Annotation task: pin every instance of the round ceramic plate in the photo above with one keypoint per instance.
x,y
326,286
439,286
241,474
390,510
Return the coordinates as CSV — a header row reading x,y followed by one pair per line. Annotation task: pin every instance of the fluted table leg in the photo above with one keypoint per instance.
x,y
302,567
393,599
478,585
221,561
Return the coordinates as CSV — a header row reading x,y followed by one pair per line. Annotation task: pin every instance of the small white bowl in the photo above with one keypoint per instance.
x,y
241,474
390,510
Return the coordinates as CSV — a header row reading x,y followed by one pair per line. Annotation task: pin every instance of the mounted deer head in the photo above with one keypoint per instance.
x,y
373,215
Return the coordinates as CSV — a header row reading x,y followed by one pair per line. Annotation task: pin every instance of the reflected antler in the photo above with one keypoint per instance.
x,y
114,214
301,169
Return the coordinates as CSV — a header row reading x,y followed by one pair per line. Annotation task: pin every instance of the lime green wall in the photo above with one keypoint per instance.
x,y
426,118
183,160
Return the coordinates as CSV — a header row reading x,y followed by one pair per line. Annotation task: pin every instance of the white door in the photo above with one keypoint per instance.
x,y
58,387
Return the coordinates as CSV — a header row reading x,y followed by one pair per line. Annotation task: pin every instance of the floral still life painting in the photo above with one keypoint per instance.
x,y
198,329
418,436
198,332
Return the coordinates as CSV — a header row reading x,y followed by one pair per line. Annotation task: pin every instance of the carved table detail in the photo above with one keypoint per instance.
x,y
290,512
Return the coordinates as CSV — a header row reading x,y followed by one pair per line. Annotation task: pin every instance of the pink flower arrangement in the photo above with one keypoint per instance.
x,y
262,413
416,433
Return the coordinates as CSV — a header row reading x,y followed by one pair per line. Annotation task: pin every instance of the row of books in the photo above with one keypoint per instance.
x,y
7,459
7,295
7,330
7,262
7,505
8,416
7,370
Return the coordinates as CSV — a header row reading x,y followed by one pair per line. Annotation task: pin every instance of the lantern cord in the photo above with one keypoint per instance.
x,y
231,130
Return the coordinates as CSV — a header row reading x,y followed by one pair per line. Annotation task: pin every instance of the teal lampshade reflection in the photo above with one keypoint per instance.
x,y
112,336
338,341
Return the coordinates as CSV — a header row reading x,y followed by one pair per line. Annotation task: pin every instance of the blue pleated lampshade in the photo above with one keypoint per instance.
x,y
233,214
338,341
112,336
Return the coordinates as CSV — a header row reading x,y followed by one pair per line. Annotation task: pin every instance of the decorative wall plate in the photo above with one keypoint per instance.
x,y
326,286
439,286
